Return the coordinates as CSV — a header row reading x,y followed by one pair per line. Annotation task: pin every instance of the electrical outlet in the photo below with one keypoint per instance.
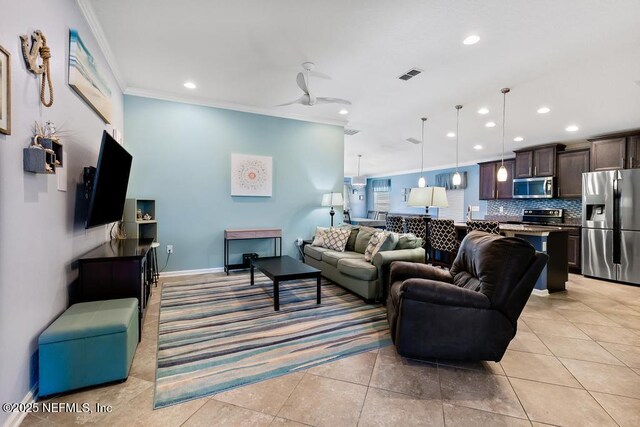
x,y
169,249
501,209
475,208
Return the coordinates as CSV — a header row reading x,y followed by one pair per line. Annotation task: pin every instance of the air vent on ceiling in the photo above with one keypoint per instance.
x,y
350,132
410,74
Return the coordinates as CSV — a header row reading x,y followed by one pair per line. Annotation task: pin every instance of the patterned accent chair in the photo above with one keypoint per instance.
x,y
417,226
395,224
442,238
491,227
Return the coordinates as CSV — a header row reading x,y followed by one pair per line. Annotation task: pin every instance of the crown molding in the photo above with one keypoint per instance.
x,y
146,93
95,27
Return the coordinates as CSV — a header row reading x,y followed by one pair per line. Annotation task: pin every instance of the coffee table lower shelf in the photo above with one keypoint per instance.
x,y
281,269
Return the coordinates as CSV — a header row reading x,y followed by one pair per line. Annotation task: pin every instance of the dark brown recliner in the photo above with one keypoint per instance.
x,y
469,312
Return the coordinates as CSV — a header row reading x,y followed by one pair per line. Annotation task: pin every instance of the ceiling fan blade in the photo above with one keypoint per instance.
x,y
297,101
320,75
414,141
302,83
325,100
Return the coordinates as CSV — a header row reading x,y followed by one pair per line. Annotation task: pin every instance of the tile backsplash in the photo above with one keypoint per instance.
x,y
513,208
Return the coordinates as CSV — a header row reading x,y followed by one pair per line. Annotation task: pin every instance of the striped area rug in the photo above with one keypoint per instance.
x,y
223,333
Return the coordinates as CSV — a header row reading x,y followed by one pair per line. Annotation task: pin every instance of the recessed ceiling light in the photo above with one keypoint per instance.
x,y
518,139
490,124
190,85
473,39
343,111
477,147
483,111
451,135
572,128
543,110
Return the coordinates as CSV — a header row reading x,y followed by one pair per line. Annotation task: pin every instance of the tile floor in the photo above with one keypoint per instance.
x,y
574,361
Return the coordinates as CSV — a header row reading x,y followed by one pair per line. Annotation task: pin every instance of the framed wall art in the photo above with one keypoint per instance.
x,y
5,91
251,175
85,78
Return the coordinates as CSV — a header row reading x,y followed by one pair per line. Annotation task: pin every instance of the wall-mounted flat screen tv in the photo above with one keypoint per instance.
x,y
106,203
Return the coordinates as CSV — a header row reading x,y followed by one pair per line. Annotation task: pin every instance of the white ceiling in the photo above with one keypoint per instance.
x,y
581,58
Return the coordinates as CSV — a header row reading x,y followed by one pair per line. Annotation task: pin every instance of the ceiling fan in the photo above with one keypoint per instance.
x,y
308,98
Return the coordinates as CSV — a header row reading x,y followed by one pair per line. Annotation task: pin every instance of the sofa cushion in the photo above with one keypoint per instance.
x,y
362,240
332,257
315,252
375,243
408,241
336,239
358,268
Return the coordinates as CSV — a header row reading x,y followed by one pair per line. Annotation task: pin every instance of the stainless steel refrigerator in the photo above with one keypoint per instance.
x,y
611,225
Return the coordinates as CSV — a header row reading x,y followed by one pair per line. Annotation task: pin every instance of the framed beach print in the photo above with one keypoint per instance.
x,y
85,78
5,91
251,175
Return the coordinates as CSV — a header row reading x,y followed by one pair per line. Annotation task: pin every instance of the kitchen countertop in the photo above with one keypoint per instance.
x,y
512,229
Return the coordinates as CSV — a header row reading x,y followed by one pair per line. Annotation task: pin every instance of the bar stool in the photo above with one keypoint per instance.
x,y
442,238
491,227
154,263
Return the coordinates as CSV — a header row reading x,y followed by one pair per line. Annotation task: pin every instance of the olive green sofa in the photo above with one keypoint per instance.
x,y
349,269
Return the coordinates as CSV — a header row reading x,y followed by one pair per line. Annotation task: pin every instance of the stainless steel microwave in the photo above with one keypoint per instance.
x,y
533,188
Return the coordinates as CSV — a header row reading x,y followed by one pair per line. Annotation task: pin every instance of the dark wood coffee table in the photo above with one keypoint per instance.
x,y
283,268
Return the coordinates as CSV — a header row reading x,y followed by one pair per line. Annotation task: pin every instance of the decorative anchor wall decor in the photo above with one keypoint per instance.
x,y
40,49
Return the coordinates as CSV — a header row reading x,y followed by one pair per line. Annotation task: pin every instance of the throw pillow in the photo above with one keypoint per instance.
x,y
408,241
336,239
351,243
391,242
375,243
362,240
320,236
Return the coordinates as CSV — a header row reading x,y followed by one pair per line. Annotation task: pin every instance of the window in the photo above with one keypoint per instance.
x,y
455,210
381,201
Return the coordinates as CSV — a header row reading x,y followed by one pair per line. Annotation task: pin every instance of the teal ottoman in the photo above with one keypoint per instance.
x,y
90,343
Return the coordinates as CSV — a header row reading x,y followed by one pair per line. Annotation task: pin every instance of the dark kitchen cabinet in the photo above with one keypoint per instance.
x,y
573,250
524,164
571,166
608,154
490,188
488,181
544,162
537,161
504,190
633,152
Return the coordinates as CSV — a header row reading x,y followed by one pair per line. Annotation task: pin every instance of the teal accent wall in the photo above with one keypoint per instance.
x,y
182,159
410,180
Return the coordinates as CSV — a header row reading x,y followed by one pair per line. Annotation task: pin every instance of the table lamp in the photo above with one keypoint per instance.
x,y
332,199
435,197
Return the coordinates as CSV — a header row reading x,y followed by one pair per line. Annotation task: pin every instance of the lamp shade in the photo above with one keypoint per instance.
x,y
428,197
359,181
332,199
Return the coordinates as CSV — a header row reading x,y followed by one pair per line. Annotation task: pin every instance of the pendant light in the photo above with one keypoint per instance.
x,y
457,179
422,182
502,174
359,181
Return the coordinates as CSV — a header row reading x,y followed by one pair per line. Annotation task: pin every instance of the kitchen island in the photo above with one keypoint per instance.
x,y
551,240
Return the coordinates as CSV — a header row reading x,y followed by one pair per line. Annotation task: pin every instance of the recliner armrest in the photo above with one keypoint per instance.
x,y
409,255
409,270
442,293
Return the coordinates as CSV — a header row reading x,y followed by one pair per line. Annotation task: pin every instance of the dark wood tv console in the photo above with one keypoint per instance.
x,y
117,269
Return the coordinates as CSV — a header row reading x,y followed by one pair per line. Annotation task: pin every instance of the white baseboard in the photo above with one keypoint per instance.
x,y
541,292
16,418
192,272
